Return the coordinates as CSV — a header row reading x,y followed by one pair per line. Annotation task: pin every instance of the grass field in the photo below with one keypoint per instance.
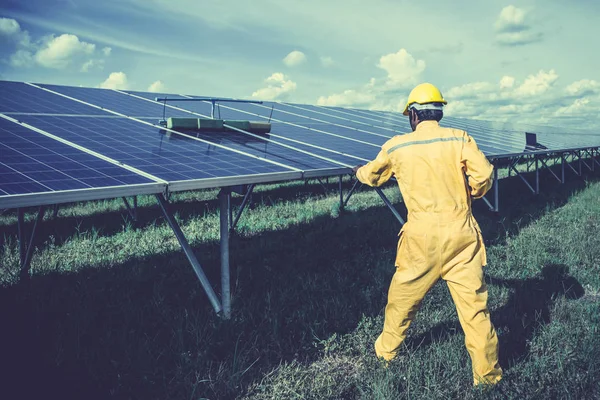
x,y
114,311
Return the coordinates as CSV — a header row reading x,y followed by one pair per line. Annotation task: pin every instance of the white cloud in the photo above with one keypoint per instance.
x,y
402,68
582,87
106,51
59,51
402,72
93,63
278,87
469,90
511,19
460,108
512,28
537,84
577,108
116,80
347,98
22,58
507,82
327,61
294,59
157,87
9,27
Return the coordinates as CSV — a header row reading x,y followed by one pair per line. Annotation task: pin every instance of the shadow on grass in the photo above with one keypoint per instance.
x,y
111,222
526,311
144,329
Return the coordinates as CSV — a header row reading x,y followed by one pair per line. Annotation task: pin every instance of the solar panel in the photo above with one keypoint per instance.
x,y
33,165
169,157
305,140
18,97
113,100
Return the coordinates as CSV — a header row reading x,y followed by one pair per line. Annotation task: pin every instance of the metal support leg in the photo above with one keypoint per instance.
x,y
21,232
496,191
486,201
214,301
322,184
351,192
130,210
341,194
27,261
562,167
55,211
389,204
594,161
245,202
537,177
524,180
573,169
550,169
224,201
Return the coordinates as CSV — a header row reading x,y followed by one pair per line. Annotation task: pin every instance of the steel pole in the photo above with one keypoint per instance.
x,y
389,204
496,191
341,194
224,197
537,177
27,260
189,254
21,232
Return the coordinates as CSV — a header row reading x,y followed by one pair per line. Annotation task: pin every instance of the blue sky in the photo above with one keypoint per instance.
x,y
528,60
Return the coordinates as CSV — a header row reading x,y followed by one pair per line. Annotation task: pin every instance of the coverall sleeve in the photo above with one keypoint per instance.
x,y
477,168
376,172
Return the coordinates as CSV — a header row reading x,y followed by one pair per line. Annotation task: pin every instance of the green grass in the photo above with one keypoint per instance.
x,y
113,309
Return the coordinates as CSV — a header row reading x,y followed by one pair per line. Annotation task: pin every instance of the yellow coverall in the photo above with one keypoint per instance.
x,y
441,239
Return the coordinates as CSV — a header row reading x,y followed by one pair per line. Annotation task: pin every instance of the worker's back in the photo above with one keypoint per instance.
x,y
430,166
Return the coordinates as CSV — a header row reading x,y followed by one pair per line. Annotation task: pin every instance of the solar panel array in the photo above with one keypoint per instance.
x,y
61,143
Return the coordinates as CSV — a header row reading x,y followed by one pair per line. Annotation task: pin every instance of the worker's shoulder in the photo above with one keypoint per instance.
x,y
395,140
450,131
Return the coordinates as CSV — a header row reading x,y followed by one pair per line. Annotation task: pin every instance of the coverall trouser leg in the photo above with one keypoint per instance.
x,y
420,265
469,292
407,289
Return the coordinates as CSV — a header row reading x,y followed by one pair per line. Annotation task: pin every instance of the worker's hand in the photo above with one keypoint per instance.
x,y
356,169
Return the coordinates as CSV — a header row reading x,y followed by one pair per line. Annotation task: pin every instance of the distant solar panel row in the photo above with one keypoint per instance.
x,y
72,140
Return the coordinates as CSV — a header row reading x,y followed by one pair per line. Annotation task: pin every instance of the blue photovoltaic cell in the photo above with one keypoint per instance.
x,y
33,163
119,102
200,107
169,157
310,133
245,111
17,97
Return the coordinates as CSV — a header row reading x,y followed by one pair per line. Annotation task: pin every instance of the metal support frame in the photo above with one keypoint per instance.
x,y
323,185
573,168
131,210
189,253
341,194
55,211
496,206
351,192
247,200
389,204
26,249
550,169
523,178
224,210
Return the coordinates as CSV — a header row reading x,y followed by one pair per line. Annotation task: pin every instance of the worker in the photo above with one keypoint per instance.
x,y
439,171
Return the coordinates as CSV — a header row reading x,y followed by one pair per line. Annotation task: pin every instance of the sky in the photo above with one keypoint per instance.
x,y
531,61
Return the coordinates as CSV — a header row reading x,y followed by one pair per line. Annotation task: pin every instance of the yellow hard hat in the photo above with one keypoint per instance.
x,y
425,93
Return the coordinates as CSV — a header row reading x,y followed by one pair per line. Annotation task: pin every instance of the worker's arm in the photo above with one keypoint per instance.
x,y
376,172
477,168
